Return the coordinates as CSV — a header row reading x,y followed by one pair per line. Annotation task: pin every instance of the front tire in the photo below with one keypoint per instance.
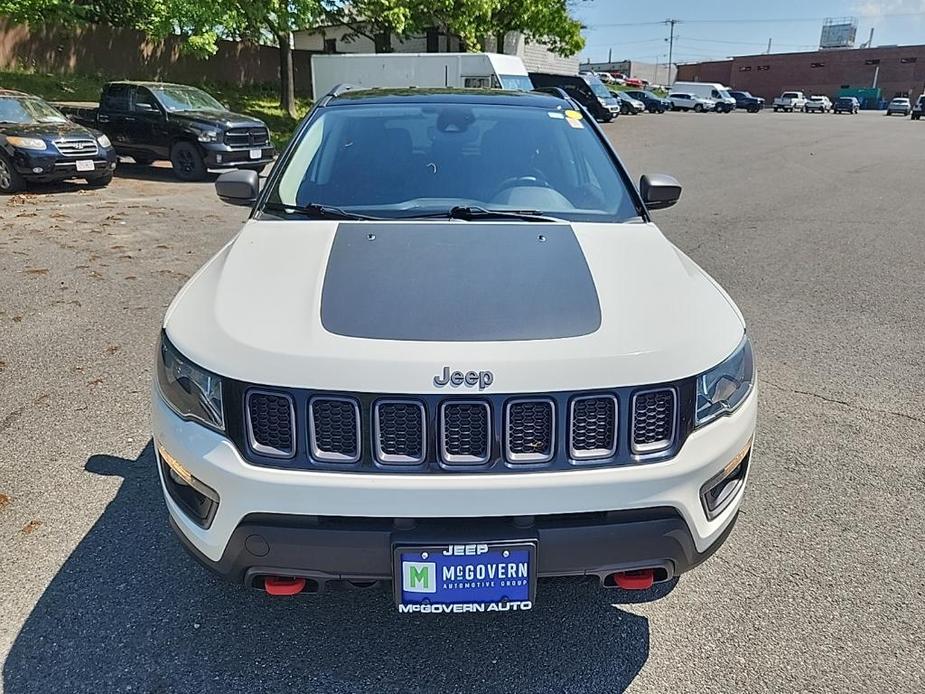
x,y
10,180
187,162
100,181
698,108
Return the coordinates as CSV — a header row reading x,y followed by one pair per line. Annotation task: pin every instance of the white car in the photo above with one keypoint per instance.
x,y
899,105
818,104
683,101
435,359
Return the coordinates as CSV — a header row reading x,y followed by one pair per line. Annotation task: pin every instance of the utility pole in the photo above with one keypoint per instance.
x,y
670,23
769,46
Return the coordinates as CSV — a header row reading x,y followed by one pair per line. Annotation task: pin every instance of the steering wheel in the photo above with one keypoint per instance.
x,y
533,180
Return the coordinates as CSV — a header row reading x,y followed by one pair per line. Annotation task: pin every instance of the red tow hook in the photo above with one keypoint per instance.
x,y
283,585
635,580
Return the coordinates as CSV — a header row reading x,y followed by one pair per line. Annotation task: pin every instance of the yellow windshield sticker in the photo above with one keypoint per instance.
x,y
575,115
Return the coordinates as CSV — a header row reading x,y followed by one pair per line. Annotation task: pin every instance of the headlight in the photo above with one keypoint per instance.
x,y
192,392
723,388
104,141
28,143
207,135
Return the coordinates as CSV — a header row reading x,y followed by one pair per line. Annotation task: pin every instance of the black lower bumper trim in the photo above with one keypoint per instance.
x,y
360,549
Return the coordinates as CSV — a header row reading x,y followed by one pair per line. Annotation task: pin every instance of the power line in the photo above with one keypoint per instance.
x,y
784,20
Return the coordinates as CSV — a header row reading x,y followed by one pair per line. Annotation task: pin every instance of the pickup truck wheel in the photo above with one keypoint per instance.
x,y
187,162
10,180
100,181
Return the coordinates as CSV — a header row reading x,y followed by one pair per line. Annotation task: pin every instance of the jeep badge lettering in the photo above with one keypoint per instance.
x,y
482,379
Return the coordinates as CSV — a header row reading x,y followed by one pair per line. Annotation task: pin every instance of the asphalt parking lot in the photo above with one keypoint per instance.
x,y
813,223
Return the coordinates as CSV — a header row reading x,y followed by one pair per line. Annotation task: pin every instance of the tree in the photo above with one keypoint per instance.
x,y
380,20
547,22
201,22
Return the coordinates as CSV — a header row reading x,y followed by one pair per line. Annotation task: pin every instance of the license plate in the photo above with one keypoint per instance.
x,y
256,153
480,577
85,165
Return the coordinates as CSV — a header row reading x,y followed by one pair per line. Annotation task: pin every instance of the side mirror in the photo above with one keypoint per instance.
x,y
146,108
659,191
239,187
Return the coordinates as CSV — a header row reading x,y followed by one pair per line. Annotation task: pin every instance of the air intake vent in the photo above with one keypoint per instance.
x,y
653,420
400,432
465,432
530,431
593,427
271,424
334,430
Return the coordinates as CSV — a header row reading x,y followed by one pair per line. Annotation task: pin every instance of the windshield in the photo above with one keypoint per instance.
x,y
724,94
520,83
409,160
790,95
27,110
600,91
177,98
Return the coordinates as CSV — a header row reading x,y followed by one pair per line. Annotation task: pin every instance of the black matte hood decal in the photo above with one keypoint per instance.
x,y
458,281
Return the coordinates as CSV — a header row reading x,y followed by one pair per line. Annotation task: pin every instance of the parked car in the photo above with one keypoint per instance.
x,y
789,102
652,101
150,121
817,104
629,105
39,144
899,105
586,89
365,430
605,77
919,108
714,91
846,104
682,101
745,100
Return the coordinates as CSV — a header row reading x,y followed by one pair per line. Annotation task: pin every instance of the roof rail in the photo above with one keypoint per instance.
x,y
336,92
555,91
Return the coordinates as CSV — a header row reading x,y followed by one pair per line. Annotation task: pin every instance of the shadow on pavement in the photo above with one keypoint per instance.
x,y
154,172
130,611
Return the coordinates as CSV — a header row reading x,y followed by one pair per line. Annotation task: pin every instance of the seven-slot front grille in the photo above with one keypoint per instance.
x,y
465,432
593,427
400,432
430,432
271,424
77,148
247,137
530,436
653,420
334,429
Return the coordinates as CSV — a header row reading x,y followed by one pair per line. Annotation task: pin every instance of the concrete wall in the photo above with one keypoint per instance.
x,y
128,54
902,70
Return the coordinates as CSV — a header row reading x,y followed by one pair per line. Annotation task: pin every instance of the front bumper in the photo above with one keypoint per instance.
x,y
48,165
220,156
292,511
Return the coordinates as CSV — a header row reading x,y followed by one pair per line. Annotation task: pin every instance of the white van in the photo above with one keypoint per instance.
x,y
473,70
725,103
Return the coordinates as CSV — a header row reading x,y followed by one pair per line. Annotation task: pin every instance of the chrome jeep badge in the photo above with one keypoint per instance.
x,y
470,379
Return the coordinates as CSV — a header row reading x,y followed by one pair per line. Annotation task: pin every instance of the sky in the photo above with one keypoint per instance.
x,y
716,29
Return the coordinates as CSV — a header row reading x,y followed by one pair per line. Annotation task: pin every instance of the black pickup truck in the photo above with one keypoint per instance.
x,y
150,121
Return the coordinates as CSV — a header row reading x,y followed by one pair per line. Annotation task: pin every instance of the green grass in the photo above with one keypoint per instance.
x,y
259,101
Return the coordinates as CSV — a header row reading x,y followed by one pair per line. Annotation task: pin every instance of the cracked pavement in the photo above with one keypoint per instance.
x,y
812,223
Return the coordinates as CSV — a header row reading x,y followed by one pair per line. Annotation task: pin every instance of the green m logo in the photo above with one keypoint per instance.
x,y
419,577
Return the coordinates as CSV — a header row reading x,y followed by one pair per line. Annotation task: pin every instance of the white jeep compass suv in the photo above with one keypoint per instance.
x,y
450,350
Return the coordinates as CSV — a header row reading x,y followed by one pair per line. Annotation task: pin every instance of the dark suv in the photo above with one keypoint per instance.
x,y
37,143
748,101
846,104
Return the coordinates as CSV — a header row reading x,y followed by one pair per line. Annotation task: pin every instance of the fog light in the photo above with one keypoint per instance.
x,y
721,489
37,169
218,158
196,498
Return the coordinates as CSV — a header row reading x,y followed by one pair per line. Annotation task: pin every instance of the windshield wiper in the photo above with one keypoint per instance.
x,y
474,213
314,209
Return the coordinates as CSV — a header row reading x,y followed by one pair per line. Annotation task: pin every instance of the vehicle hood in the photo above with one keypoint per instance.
x,y
385,306
46,131
221,119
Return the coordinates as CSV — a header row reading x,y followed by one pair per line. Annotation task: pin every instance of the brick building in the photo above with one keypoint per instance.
x,y
898,71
